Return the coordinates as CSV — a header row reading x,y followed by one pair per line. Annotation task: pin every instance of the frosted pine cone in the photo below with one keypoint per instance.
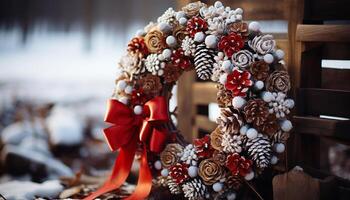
x,y
154,65
169,17
256,112
190,155
278,81
279,137
194,190
242,59
229,121
262,44
216,26
203,61
231,143
224,97
192,9
188,46
132,64
174,188
259,150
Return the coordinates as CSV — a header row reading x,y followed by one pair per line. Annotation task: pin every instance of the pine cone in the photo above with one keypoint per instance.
x,y
270,126
171,73
279,137
256,112
259,150
210,171
178,59
174,188
179,172
192,9
203,61
180,33
150,84
229,121
219,157
231,143
239,28
203,147
190,155
231,44
216,139
194,190
262,44
137,46
195,25
171,154
260,70
233,182
155,41
188,46
242,59
224,97
238,165
278,81
132,64
238,82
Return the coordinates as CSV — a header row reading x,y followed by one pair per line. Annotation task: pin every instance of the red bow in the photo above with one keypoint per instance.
x,y
127,130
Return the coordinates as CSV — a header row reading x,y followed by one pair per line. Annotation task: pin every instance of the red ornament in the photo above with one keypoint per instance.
x,y
238,165
138,97
231,44
179,59
238,82
203,147
195,25
179,172
137,46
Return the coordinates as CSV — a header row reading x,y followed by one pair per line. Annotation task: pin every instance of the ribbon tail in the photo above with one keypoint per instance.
x,y
121,170
144,183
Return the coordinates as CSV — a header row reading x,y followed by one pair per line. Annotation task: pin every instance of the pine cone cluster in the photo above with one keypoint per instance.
x,y
259,150
203,61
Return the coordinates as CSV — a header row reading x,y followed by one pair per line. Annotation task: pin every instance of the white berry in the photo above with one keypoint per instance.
x,y
274,160
138,110
252,133
268,58
140,32
223,79
279,147
239,11
121,85
217,187
231,196
158,165
171,41
193,171
166,53
218,4
164,27
182,21
211,41
238,102
243,130
259,85
164,172
128,89
180,14
286,125
279,54
249,176
254,26
267,96
239,17
199,37
226,65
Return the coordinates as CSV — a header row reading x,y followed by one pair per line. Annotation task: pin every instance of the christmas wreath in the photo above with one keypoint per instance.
x,y
252,87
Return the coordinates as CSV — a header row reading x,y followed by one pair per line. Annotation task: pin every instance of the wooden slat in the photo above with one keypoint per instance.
x,y
323,33
323,127
327,10
204,92
336,79
336,51
203,122
316,102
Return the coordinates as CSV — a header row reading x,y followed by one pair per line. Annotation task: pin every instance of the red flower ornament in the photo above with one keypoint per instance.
x,y
179,172
203,147
179,59
195,25
238,82
231,44
238,165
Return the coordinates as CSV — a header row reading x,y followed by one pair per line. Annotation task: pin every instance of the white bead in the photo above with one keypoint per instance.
x,y
279,54
140,32
239,17
217,187
267,96
121,85
211,41
226,65
166,53
199,37
128,89
183,21
238,102
138,110
254,26
218,4
124,100
259,85
243,130
286,125
249,176
290,103
279,147
274,160
268,58
223,79
164,172
252,133
164,27
161,57
180,14
158,165
171,41
193,171
231,196
239,11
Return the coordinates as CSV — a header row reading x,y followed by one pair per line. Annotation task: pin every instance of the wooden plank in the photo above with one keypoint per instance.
x,y
323,33
204,92
327,10
336,79
203,122
336,51
310,72
317,102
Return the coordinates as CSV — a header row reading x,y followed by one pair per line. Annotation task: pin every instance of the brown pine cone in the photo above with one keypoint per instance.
x,y
171,154
270,126
210,171
260,70
219,157
224,97
171,73
238,27
216,139
192,9
180,33
229,121
278,81
233,182
155,41
279,137
150,84
256,112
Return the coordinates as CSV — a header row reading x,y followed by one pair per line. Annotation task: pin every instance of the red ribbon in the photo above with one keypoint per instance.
x,y
127,130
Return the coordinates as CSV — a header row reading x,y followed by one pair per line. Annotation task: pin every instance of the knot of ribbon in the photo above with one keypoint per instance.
x,y
127,130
